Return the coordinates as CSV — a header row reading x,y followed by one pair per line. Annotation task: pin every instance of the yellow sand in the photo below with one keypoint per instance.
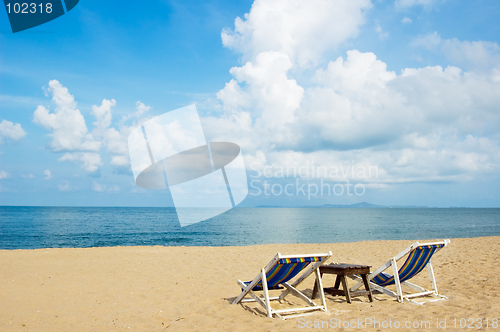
x,y
190,288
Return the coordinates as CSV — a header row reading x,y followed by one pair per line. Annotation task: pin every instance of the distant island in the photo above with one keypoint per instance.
x,y
362,205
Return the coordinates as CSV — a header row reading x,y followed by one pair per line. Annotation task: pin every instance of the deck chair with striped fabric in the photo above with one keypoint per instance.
x,y
418,257
278,275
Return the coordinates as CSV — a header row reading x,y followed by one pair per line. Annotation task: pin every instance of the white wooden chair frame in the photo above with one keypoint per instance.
x,y
289,288
399,293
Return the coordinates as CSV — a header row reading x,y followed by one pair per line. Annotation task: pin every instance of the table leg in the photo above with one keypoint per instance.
x,y
315,289
346,289
337,282
367,287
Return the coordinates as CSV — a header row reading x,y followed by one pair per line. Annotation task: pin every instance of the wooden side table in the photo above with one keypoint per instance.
x,y
342,270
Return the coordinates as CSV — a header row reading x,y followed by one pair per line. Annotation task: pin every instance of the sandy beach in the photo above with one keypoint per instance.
x,y
190,288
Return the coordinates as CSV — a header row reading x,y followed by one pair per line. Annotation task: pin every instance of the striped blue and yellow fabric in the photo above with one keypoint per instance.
x,y
283,271
417,260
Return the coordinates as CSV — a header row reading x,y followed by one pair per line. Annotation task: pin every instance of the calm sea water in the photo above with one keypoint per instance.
x,y
63,227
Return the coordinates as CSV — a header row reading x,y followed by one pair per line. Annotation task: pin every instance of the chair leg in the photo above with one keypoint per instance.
x,y
319,284
266,294
432,278
396,280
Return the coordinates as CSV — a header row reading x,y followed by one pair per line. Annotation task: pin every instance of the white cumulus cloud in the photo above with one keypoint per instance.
x,y
89,161
140,109
11,130
302,30
67,124
69,132
102,115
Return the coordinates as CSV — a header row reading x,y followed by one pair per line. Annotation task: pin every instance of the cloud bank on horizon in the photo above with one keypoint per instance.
x,y
423,124
289,103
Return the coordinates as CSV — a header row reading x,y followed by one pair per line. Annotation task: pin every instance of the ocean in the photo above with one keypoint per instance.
x,y
83,227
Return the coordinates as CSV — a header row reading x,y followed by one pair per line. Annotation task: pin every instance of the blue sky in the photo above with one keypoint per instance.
x,y
409,87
